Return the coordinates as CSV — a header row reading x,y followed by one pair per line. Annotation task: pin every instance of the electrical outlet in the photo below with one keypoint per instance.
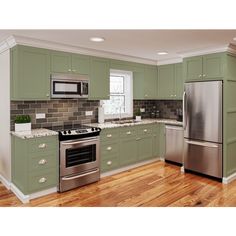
x,y
40,115
142,109
89,113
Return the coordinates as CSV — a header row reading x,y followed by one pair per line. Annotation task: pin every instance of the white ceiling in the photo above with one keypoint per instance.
x,y
136,43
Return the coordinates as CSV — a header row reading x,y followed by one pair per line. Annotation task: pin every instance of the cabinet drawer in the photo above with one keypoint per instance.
x,y
129,132
43,144
109,164
145,130
108,149
43,162
109,135
42,180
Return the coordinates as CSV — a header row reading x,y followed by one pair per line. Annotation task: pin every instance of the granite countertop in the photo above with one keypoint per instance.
x,y
107,125
34,133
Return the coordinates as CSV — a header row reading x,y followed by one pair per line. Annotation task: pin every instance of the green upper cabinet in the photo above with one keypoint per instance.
x,y
166,81
145,82
99,87
30,73
179,81
150,82
62,62
170,81
207,67
121,65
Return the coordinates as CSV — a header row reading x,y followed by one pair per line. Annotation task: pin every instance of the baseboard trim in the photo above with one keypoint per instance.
x,y
113,172
26,198
227,180
5,182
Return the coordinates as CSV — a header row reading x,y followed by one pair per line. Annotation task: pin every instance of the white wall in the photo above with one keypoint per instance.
x,y
5,139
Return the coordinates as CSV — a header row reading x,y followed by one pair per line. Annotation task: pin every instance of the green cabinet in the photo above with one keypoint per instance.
x,y
62,62
170,81
35,163
99,87
206,67
30,73
162,141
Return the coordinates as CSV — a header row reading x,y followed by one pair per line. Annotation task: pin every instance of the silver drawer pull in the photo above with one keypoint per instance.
x,y
42,145
42,162
137,139
42,180
109,135
145,130
128,132
109,148
109,163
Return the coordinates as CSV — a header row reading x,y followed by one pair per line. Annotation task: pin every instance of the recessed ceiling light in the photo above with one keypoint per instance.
x,y
97,39
162,53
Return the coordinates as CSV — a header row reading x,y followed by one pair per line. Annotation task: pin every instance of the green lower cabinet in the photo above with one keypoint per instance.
x,y
156,141
128,152
162,141
35,164
145,148
109,163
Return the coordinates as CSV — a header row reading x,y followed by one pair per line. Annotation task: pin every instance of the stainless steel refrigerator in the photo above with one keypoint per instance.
x,y
202,121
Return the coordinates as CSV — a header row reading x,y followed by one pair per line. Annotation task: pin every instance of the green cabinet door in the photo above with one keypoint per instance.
x,y
60,62
193,68
213,66
80,64
30,73
179,81
162,141
150,82
156,140
166,81
145,148
128,151
99,87
138,85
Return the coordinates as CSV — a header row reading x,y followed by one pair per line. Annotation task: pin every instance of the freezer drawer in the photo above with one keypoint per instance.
x,y
174,143
203,157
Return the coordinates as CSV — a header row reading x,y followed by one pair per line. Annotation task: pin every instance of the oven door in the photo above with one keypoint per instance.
x,y
65,89
79,155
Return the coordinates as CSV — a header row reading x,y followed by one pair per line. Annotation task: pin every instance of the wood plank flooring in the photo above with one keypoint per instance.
x,y
152,185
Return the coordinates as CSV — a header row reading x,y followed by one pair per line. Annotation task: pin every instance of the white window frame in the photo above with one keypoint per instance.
x,y
128,75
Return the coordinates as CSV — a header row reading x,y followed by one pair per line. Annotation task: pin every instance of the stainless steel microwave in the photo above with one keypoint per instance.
x,y
69,86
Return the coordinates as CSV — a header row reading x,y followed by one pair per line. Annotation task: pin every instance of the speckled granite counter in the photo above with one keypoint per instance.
x,y
107,125
34,133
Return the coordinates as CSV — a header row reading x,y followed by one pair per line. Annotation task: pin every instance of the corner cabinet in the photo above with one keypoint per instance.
x,y
99,87
30,73
170,81
35,163
206,67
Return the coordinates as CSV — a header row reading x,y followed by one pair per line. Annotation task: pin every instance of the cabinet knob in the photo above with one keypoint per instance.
x,y
200,76
175,95
128,132
42,145
42,162
146,95
69,70
109,163
204,75
47,95
109,148
42,180
145,130
137,139
109,135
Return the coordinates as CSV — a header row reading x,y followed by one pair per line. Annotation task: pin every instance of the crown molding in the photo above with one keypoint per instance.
x,y
15,39
170,61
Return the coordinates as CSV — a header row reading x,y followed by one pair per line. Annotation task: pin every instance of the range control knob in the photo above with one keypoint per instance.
x,y
64,132
92,129
69,132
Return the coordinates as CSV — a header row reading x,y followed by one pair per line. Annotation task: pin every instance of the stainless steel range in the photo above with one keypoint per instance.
x,y
79,157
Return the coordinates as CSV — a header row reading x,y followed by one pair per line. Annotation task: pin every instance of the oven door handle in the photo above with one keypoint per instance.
x,y
79,142
82,175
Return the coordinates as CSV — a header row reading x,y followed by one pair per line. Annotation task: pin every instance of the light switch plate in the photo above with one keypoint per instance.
x,y
142,109
40,116
89,113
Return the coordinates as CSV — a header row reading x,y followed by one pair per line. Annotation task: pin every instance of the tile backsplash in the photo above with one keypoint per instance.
x,y
71,112
59,113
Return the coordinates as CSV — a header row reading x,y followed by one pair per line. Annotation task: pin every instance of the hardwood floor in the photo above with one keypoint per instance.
x,y
152,185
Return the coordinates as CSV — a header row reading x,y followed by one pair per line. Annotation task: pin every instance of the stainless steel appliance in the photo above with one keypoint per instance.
x,y
79,157
174,143
202,120
69,86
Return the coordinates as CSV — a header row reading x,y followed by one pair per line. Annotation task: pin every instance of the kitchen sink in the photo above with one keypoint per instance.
x,y
125,122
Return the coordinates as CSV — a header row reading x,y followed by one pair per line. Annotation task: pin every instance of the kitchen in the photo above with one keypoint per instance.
x,y
132,131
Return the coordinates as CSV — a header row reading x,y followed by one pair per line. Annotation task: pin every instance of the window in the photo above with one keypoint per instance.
x,y
120,104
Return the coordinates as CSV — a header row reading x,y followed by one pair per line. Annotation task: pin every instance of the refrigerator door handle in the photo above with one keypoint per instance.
x,y
184,111
204,144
